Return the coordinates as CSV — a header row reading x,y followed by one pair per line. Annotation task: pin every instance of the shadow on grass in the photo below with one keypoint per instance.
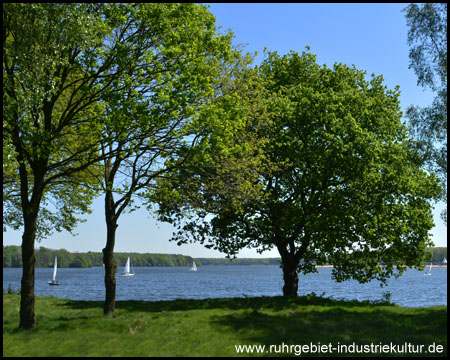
x,y
307,319
276,320
339,325
273,303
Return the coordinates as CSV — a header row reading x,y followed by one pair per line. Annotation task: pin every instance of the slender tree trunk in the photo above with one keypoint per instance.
x,y
30,212
108,256
110,282
27,316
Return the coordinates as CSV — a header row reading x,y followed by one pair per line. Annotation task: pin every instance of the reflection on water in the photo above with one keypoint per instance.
x,y
413,289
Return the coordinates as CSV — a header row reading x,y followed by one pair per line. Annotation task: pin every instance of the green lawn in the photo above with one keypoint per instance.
x,y
213,327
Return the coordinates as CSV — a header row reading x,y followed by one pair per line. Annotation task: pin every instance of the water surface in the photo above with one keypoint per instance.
x,y
413,289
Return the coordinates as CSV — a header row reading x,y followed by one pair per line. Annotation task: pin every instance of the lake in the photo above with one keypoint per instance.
x,y
413,289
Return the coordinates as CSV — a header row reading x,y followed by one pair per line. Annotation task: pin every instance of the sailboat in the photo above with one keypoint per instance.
x,y
429,270
194,267
127,269
54,281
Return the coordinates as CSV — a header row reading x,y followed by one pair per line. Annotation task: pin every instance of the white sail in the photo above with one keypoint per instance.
x,y
54,269
429,270
127,271
194,267
55,266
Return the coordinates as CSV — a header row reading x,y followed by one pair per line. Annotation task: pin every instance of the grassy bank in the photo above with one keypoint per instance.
x,y
213,327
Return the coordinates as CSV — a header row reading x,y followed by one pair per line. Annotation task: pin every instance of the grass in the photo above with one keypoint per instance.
x,y
212,327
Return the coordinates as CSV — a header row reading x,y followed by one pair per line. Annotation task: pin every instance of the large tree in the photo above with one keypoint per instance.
x,y
59,61
427,38
160,112
341,182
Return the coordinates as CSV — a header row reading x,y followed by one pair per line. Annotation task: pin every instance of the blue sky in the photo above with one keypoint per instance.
x,y
370,36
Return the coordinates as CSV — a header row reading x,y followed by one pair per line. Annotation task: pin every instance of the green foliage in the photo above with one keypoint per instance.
x,y
184,66
238,261
79,262
49,104
129,85
427,38
164,108
46,257
12,256
223,169
438,254
341,180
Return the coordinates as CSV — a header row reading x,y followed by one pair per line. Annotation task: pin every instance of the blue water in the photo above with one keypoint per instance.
x,y
413,289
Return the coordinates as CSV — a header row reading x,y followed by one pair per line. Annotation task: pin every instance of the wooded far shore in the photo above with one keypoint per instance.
x,y
45,258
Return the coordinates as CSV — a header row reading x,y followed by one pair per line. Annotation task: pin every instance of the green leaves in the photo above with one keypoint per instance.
x,y
341,181
310,159
46,115
166,108
427,38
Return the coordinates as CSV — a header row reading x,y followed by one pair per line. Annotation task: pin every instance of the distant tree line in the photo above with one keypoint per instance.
x,y
438,254
45,258
237,261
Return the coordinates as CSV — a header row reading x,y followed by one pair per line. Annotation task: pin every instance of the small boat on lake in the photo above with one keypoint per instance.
x,y
429,270
193,268
54,281
127,272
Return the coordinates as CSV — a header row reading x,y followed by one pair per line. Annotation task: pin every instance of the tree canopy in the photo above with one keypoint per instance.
x,y
160,112
122,84
427,38
342,183
49,104
151,100
55,71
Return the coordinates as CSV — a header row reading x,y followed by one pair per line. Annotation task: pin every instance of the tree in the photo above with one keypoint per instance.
x,y
341,181
59,60
79,262
153,119
11,256
427,38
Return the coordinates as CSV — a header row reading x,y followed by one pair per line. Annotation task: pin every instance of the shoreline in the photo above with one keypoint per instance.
x,y
90,267
330,266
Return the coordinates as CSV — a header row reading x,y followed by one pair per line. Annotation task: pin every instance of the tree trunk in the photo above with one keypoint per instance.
x,y
290,276
108,256
110,281
289,263
27,316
